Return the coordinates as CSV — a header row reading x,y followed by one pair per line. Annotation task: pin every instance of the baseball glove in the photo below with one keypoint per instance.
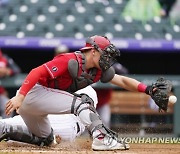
x,y
159,91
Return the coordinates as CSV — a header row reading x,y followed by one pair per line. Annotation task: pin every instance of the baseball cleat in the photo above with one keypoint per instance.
x,y
109,143
2,133
4,137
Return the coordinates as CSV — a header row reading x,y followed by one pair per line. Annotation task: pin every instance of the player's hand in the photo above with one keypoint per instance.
x,y
14,104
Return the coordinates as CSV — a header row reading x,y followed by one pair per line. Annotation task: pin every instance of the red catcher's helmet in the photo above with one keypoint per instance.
x,y
97,42
109,52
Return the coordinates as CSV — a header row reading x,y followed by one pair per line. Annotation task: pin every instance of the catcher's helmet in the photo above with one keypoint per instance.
x,y
108,51
97,42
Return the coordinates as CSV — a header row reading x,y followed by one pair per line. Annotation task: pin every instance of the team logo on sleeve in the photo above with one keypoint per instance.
x,y
54,69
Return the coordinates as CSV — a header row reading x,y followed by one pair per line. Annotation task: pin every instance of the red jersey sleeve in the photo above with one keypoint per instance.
x,y
32,78
57,66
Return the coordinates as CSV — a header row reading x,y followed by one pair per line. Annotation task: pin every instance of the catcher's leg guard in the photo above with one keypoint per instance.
x,y
103,138
83,109
17,133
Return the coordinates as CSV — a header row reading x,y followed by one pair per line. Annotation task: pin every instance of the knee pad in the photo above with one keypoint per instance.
x,y
83,108
85,104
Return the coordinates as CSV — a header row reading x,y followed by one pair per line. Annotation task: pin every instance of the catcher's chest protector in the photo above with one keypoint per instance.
x,y
80,77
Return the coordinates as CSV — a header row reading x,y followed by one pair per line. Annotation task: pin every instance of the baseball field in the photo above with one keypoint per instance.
x,y
82,145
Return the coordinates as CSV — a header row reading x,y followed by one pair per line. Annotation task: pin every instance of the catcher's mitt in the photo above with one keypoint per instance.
x,y
159,91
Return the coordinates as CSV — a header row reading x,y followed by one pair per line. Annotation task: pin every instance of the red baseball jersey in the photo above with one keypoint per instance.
x,y
58,70
52,73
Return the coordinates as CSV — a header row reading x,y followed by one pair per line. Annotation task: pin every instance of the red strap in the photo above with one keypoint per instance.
x,y
80,61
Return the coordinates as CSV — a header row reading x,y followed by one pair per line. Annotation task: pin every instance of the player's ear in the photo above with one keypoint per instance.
x,y
93,51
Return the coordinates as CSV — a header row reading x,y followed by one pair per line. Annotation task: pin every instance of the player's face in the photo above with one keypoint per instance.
x,y
96,57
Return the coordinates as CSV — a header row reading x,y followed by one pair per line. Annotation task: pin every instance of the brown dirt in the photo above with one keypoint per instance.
x,y
83,146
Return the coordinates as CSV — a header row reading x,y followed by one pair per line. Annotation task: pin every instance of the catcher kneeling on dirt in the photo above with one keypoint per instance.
x,y
50,89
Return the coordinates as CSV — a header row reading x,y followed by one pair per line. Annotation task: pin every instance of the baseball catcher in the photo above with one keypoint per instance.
x,y
159,91
49,89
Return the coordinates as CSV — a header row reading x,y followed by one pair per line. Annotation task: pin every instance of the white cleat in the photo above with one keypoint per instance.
x,y
109,143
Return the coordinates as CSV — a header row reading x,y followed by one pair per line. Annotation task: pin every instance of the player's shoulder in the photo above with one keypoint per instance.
x,y
66,56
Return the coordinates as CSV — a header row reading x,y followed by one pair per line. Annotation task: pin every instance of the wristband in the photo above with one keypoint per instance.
x,y
142,87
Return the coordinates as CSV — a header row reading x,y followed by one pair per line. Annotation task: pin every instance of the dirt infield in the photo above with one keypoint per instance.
x,y
83,146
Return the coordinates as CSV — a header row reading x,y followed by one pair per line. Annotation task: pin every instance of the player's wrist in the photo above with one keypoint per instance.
x,y
22,92
148,90
20,96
